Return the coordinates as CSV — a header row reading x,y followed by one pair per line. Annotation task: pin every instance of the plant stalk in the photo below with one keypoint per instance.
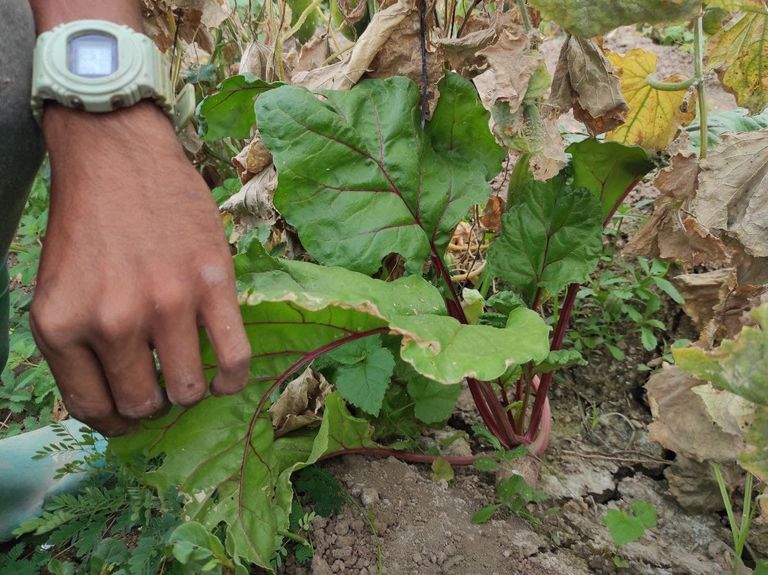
x,y
525,16
698,59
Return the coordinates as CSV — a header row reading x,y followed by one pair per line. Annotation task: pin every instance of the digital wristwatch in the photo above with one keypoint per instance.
x,y
100,66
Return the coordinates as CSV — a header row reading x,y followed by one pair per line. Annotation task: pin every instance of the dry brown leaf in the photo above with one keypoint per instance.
x,y
703,292
187,20
462,53
584,80
314,53
511,64
252,159
671,233
257,61
346,73
352,10
733,191
253,205
491,218
401,56
300,404
681,421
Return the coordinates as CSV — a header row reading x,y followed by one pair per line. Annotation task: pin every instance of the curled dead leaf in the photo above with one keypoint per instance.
x,y
253,159
352,10
347,72
671,234
511,65
253,205
401,56
584,80
491,218
301,403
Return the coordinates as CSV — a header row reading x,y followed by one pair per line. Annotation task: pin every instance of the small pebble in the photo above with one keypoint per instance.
x,y
370,496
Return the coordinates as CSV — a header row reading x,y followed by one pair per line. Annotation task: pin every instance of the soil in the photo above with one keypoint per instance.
x,y
599,459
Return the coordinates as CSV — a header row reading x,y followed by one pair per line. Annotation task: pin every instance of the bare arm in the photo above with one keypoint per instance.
x,y
135,259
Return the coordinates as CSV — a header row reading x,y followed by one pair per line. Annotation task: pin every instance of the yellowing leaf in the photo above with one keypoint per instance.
x,y
654,116
739,53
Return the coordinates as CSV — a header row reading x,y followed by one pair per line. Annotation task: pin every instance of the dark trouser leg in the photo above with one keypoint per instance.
x,y
21,145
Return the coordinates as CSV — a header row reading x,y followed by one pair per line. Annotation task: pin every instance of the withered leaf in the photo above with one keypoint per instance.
x,y
681,421
301,403
584,80
733,191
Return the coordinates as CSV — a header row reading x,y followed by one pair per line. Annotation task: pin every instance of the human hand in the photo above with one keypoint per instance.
x,y
135,258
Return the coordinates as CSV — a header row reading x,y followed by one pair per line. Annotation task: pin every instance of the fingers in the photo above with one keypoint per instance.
x,y
130,371
178,348
83,386
221,316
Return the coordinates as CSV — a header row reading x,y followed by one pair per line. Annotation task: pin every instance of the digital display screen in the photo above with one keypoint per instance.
x,y
93,55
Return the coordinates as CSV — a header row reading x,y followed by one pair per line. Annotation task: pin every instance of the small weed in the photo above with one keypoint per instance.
x,y
626,527
27,390
622,294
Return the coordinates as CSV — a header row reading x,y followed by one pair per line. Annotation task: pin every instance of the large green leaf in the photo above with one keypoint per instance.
x,y
222,453
301,307
587,18
608,169
229,110
360,180
224,457
459,127
551,236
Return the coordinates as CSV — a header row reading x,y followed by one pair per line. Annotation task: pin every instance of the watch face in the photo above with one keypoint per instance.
x,y
93,55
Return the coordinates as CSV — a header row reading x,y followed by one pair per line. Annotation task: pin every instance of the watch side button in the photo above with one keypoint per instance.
x,y
117,102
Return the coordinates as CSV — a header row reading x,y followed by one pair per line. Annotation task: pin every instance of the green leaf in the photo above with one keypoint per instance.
x,y
669,289
622,527
364,383
647,338
645,512
459,127
485,514
224,457
728,122
312,21
433,402
559,359
362,156
229,112
587,18
608,169
193,545
551,236
302,307
441,469
487,464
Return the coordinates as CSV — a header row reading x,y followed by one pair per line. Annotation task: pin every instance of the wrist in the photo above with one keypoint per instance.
x,y
76,139
51,13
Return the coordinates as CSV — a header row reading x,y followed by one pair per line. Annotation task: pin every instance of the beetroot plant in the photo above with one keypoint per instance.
x,y
361,179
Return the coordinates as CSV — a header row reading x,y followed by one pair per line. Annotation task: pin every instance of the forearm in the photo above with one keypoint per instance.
x,y
75,138
51,13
